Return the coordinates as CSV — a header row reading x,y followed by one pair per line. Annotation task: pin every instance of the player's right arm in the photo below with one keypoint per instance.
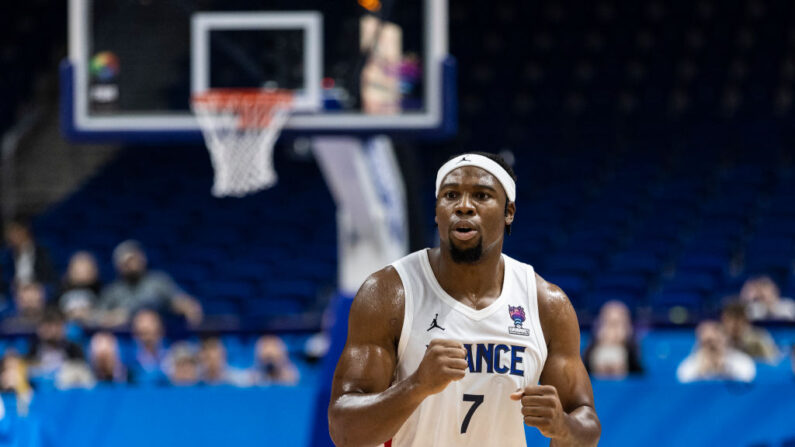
x,y
367,408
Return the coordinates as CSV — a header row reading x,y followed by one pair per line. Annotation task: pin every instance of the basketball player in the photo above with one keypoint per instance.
x,y
447,346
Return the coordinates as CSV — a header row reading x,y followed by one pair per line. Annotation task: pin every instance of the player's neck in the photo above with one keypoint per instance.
x,y
468,282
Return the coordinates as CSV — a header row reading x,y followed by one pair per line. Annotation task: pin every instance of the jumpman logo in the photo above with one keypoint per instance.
x,y
434,324
463,159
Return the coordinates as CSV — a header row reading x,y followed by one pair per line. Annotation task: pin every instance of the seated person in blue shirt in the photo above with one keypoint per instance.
x,y
149,352
50,350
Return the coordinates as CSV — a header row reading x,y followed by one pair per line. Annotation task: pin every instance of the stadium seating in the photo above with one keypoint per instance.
x,y
258,258
656,230
669,185
676,239
669,126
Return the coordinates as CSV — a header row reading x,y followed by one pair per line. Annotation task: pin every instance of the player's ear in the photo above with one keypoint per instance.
x,y
510,211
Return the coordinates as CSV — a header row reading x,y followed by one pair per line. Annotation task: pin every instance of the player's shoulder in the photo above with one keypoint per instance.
x,y
550,293
381,293
385,281
554,306
551,298
377,310
384,290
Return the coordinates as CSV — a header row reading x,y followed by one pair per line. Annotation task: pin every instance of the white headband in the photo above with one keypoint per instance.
x,y
485,163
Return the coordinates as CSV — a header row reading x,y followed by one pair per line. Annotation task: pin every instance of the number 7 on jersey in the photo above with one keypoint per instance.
x,y
476,400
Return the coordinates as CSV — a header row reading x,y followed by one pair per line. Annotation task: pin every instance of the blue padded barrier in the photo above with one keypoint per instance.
x,y
210,416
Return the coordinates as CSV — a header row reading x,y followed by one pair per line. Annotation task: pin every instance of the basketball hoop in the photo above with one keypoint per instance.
x,y
240,127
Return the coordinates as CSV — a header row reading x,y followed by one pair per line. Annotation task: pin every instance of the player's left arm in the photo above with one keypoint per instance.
x,y
562,406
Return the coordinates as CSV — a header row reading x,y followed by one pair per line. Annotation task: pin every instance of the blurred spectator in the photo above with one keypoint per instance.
x,y
316,347
137,288
80,288
713,358
792,359
272,363
13,374
743,336
75,373
50,350
3,287
613,351
150,352
764,300
105,361
184,365
214,369
29,308
31,262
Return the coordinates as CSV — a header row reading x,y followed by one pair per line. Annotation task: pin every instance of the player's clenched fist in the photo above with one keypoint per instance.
x,y
444,361
541,408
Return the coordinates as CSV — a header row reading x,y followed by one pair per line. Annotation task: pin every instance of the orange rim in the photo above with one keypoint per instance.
x,y
253,106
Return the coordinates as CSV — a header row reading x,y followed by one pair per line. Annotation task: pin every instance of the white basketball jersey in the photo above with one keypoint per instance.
x,y
505,351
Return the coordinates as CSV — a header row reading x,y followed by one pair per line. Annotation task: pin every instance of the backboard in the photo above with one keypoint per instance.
x,y
365,66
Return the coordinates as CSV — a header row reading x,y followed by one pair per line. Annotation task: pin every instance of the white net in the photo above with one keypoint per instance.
x,y
240,128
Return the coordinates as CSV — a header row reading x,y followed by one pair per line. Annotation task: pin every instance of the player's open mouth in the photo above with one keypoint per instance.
x,y
464,233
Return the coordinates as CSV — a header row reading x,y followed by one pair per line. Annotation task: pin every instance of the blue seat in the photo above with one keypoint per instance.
x,y
271,307
199,253
706,260
596,299
572,285
761,262
188,272
221,307
723,228
636,285
771,243
635,262
777,227
699,283
716,266
689,300
232,290
716,247
572,264
305,291
789,289
246,269
657,228
658,246
303,269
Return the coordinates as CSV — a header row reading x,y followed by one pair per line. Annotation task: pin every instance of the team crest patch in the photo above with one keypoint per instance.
x,y
518,316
